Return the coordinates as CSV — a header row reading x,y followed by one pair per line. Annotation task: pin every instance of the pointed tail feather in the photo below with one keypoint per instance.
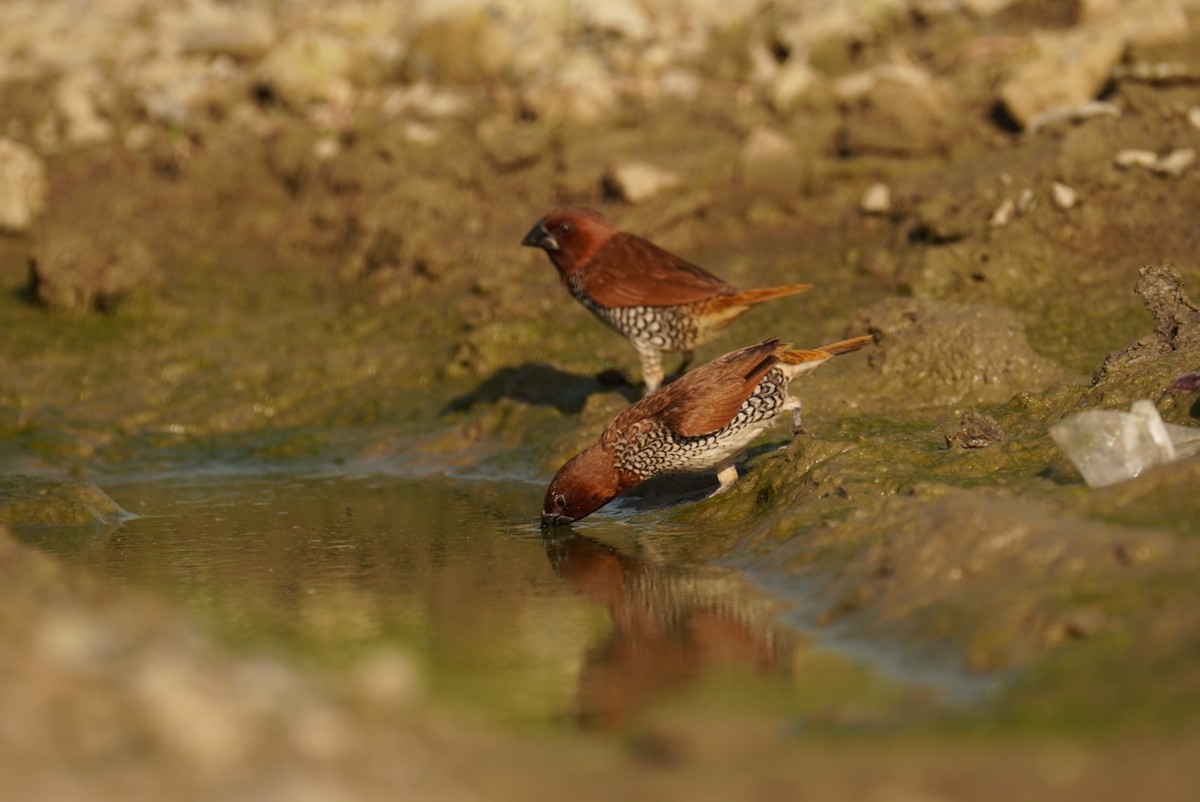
x,y
757,296
802,360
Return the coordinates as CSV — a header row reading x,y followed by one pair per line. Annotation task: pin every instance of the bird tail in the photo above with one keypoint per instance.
x,y
803,360
761,294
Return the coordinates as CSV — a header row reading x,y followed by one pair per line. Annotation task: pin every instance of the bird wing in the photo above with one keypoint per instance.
x,y
707,398
631,271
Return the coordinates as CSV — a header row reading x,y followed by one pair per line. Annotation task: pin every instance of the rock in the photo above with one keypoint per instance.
x,y
1134,157
35,501
635,182
1176,163
975,431
76,272
1176,320
306,67
22,186
790,83
581,89
931,353
896,110
625,19
77,97
1069,71
876,200
1172,165
768,164
1064,197
206,28
426,101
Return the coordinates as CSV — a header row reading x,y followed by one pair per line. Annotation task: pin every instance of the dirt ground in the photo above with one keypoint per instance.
x,y
281,261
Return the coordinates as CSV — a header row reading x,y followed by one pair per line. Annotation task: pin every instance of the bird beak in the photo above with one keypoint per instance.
x,y
549,520
539,237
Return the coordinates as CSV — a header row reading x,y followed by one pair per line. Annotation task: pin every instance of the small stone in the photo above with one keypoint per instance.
x,y
22,186
635,182
876,200
1004,213
976,431
1176,163
1193,116
1134,157
1064,196
793,80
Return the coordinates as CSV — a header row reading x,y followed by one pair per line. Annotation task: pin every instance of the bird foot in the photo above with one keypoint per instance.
x,y
726,476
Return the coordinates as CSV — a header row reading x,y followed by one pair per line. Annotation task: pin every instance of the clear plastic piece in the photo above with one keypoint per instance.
x,y
1109,446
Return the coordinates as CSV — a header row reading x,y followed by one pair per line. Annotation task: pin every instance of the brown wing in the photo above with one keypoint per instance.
x,y
705,399
631,271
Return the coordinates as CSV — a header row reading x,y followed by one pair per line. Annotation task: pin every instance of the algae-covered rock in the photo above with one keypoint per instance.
x,y
942,354
80,272
988,575
34,501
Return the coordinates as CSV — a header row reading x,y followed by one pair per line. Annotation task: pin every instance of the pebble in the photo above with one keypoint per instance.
x,y
1176,163
1133,157
1064,196
23,186
876,200
1173,165
1193,116
635,182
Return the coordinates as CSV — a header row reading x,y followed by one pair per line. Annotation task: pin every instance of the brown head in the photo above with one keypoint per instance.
x,y
587,482
570,236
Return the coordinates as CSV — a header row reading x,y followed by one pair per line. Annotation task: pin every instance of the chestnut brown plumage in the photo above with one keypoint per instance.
x,y
702,420
657,300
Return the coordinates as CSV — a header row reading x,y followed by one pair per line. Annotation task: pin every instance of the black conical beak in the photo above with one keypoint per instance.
x,y
540,237
549,520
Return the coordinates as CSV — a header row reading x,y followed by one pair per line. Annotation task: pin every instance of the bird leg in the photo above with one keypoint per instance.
x,y
793,404
683,366
726,475
652,372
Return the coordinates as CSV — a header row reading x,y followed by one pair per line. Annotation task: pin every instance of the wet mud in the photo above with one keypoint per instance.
x,y
296,276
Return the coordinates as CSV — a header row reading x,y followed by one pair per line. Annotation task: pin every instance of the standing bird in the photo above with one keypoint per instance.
x,y
649,295
702,420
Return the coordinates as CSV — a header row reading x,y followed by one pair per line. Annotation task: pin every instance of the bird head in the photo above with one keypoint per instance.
x,y
570,236
587,482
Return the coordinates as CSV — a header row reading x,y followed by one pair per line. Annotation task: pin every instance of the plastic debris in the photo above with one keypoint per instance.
x,y
1110,446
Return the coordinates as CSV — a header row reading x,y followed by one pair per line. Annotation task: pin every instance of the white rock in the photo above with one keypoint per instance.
x,y
1004,213
791,82
76,98
683,85
1135,157
1069,71
424,100
1064,196
581,89
876,200
1176,163
22,186
204,27
639,181
308,66
623,18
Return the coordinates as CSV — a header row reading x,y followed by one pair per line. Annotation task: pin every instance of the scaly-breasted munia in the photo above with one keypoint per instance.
x,y
702,420
649,295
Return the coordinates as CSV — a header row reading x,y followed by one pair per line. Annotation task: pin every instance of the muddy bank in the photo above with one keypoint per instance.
x,y
240,239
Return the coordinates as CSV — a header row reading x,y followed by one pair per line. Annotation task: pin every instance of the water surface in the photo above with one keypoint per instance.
x,y
591,627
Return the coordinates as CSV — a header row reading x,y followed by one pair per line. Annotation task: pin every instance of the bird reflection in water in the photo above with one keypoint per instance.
x,y
671,625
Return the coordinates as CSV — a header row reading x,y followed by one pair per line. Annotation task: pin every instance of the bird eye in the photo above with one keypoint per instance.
x,y
565,227
560,501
